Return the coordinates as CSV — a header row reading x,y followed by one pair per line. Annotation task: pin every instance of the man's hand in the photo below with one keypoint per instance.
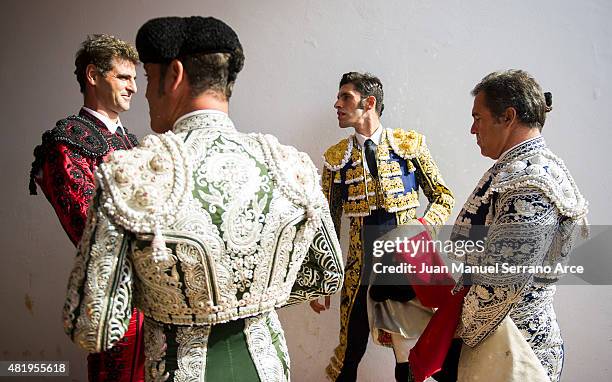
x,y
314,304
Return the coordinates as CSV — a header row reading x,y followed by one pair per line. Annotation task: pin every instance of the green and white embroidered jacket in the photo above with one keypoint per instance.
x,y
199,227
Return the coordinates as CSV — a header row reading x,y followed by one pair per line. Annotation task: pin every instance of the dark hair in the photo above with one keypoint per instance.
x,y
100,50
367,85
209,71
516,89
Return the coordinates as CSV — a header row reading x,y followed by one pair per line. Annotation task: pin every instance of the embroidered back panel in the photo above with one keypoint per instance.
x,y
235,250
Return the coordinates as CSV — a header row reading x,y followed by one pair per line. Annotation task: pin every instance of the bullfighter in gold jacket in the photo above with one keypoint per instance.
x,y
374,177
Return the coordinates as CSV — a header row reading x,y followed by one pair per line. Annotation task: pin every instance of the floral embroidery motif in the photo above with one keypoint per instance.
x,y
155,351
259,339
108,274
200,255
191,354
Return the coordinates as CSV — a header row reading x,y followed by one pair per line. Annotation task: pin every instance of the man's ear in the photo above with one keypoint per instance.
x,y
91,73
509,117
370,103
175,76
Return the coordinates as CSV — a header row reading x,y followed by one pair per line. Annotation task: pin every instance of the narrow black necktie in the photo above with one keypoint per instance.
x,y
126,141
370,153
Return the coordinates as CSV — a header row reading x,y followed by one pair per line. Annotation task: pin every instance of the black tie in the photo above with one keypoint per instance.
x,y
370,153
119,131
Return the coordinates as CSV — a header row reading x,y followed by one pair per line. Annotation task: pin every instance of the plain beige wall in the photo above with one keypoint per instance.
x,y
428,55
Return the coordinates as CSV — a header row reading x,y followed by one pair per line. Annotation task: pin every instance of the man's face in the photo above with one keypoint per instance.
x,y
348,106
491,133
158,108
114,90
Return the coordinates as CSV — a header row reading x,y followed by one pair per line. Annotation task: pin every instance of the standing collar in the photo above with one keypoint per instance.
x,y
110,125
202,118
376,137
535,142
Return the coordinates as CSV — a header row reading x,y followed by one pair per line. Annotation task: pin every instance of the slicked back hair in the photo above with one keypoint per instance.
x,y
516,89
367,85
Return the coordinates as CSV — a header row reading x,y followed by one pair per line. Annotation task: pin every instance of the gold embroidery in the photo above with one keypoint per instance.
x,y
406,143
382,150
356,191
357,208
337,155
326,182
356,156
391,185
405,216
389,169
410,166
337,177
354,175
440,197
375,196
378,194
438,213
402,202
352,277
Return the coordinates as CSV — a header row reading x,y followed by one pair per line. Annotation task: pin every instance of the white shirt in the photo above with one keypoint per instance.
x,y
376,137
110,125
196,112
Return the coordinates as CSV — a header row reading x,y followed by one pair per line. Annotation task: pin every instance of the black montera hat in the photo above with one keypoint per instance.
x,y
163,39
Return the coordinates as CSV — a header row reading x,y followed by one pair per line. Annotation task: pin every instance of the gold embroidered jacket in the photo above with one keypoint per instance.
x,y
404,166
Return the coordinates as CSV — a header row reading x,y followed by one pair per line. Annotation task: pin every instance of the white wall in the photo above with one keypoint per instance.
x,y
428,55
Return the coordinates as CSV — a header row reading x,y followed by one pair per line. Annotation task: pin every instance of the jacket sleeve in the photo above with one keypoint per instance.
x,y
440,197
68,183
322,271
332,193
520,235
99,298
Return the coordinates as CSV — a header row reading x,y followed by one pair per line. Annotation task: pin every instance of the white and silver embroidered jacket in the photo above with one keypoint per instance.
x,y
530,208
200,226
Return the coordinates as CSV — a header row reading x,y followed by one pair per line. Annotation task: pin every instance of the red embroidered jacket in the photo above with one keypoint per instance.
x,y
64,167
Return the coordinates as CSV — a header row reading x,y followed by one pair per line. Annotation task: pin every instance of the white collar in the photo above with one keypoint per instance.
x,y
376,137
110,125
196,112
511,148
